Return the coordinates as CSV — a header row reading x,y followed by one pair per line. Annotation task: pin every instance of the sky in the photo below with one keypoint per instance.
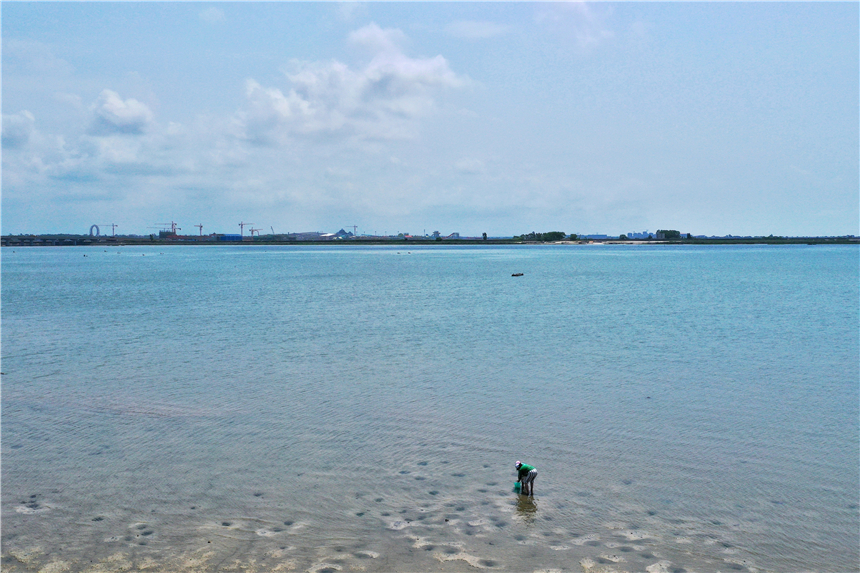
x,y
504,118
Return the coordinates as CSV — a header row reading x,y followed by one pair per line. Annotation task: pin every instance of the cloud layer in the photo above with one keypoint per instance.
x,y
383,99
17,129
583,117
112,114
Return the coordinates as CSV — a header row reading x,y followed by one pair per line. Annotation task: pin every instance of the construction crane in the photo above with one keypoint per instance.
x,y
255,231
201,228
164,226
354,229
273,231
112,226
242,228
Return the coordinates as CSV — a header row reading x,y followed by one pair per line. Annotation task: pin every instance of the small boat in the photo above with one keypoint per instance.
x,y
517,275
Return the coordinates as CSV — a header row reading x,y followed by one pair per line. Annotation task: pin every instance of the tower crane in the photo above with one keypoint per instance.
x,y
242,228
112,226
255,231
354,229
200,226
164,226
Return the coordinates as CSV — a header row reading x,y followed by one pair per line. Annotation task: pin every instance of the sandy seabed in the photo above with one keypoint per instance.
x,y
501,532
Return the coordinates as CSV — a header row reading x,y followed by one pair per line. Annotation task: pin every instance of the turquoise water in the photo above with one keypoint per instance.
x,y
360,408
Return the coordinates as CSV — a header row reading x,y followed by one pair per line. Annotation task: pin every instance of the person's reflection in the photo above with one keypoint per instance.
x,y
526,508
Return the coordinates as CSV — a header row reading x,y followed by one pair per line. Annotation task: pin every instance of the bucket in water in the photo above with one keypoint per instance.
x,y
517,486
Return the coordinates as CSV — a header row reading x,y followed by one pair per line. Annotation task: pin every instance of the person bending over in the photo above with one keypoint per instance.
x,y
526,475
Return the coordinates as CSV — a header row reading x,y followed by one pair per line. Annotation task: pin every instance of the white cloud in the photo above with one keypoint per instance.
x,y
384,97
474,30
17,129
212,15
112,114
376,39
381,100
115,150
268,111
36,155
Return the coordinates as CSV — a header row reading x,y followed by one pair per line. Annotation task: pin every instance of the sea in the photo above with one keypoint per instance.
x,y
361,408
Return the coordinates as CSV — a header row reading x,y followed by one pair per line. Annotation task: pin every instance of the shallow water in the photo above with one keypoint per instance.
x,y
353,408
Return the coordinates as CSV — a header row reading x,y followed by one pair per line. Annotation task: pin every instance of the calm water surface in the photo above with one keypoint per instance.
x,y
360,408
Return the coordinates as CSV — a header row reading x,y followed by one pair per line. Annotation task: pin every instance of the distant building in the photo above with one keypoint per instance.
x,y
307,236
635,235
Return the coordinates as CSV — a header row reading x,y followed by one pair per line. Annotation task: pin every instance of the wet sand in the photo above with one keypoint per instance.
x,y
417,525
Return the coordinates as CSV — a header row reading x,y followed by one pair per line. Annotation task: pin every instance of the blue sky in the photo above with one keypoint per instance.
x,y
709,118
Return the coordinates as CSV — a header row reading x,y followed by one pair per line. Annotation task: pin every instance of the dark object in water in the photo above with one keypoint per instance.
x,y
517,275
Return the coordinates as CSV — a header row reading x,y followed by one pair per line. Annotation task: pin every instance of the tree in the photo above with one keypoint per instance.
x,y
484,235
552,236
548,236
622,237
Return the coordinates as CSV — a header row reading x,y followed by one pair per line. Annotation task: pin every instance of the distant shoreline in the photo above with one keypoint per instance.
x,y
84,240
